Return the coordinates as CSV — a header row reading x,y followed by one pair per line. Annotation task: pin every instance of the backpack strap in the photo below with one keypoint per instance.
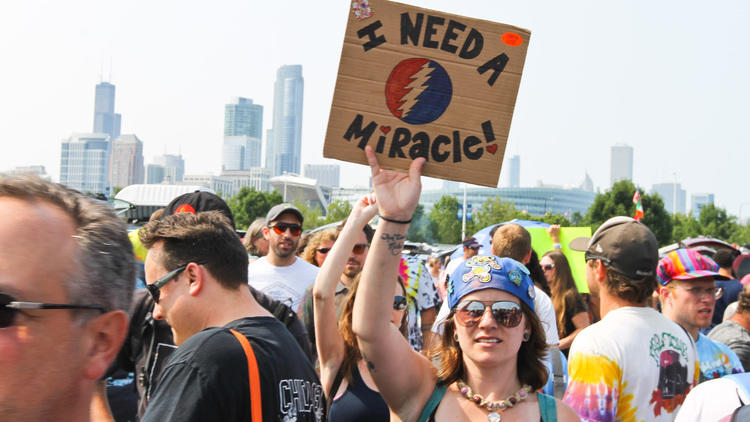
x,y
433,402
558,378
547,407
256,411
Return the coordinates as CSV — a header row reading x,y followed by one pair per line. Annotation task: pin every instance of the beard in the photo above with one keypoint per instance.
x,y
282,252
352,271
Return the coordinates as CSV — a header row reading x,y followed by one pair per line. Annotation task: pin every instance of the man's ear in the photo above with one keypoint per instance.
x,y
527,258
663,293
197,275
600,271
103,338
266,232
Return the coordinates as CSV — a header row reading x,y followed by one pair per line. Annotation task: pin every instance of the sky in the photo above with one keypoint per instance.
x,y
669,78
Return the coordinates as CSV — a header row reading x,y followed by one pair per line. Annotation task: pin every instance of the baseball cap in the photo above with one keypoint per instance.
x,y
686,264
279,209
741,266
626,245
471,242
198,201
490,272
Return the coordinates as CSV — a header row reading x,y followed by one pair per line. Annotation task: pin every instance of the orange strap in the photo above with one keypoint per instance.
x,y
256,411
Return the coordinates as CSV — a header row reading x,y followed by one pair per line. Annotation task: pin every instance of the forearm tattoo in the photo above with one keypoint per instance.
x,y
395,242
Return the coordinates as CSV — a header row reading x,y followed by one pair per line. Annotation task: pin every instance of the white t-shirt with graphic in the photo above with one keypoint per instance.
x,y
285,284
634,364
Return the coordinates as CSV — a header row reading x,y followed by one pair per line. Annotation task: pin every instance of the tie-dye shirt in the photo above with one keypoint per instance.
x,y
633,365
716,359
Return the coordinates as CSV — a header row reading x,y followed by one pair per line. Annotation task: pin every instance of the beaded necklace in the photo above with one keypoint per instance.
x,y
495,408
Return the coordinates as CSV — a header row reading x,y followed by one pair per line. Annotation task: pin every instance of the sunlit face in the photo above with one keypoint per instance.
x,y
172,306
357,260
41,358
321,252
285,244
488,342
548,266
691,303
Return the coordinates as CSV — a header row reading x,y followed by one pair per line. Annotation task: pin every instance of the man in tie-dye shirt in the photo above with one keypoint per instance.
x,y
688,293
634,364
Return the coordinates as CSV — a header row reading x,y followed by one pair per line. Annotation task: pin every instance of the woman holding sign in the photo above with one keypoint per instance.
x,y
488,362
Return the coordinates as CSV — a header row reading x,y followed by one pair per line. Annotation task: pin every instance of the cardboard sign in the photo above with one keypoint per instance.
x,y
414,82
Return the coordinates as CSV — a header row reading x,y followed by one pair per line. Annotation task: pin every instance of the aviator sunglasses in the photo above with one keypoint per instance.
x,y
9,308
294,228
506,313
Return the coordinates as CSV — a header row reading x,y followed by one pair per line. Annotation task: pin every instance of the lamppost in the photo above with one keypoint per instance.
x,y
551,198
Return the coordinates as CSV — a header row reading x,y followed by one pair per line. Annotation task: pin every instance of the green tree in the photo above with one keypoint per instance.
x,y
337,211
684,226
250,204
418,229
311,216
619,201
716,222
494,210
445,227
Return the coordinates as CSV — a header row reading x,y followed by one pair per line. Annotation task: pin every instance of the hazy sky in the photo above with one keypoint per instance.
x,y
670,78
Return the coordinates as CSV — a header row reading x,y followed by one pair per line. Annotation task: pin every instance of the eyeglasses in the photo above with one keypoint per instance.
x,y
9,308
280,227
700,292
324,250
155,287
548,267
399,303
506,313
359,248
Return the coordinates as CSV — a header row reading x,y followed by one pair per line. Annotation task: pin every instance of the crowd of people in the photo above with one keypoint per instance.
x,y
343,324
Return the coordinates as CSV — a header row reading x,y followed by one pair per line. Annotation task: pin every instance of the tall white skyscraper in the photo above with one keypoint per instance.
x,y
283,147
126,163
621,164
243,129
673,196
514,172
84,162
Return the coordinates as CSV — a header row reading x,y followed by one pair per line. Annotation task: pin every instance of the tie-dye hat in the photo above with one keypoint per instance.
x,y
686,264
490,272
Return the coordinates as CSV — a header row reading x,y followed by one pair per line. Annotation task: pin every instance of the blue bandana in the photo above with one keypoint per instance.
x,y
490,272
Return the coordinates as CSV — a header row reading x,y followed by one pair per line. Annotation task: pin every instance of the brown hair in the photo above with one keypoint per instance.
x,y
352,355
626,288
564,291
743,301
314,243
511,241
529,366
207,238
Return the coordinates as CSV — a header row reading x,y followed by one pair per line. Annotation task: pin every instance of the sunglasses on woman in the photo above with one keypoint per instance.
x,y
9,308
547,267
280,227
399,303
506,313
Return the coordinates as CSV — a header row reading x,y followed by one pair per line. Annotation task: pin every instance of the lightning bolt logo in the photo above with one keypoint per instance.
x,y
415,88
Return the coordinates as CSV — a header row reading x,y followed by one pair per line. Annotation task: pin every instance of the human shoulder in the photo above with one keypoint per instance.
x,y
565,413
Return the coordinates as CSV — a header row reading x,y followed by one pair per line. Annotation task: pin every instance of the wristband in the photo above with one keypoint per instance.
x,y
390,220
557,246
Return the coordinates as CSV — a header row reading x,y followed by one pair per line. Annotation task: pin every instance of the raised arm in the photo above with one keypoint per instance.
x,y
404,377
328,341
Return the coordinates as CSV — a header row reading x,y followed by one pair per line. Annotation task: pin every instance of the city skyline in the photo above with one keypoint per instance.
x,y
596,75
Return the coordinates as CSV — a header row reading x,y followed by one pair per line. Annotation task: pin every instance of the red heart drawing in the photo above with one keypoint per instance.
x,y
492,149
385,129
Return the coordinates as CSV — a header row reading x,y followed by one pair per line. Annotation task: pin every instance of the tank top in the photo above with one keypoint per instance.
x,y
547,406
359,403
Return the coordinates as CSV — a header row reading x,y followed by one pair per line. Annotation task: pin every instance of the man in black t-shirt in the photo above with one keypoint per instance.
x,y
196,271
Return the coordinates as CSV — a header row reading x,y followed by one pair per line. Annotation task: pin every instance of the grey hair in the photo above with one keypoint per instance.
x,y
105,272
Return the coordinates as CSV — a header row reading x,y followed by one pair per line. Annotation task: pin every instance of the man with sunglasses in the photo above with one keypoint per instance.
x,y
634,364
688,293
281,274
196,272
67,274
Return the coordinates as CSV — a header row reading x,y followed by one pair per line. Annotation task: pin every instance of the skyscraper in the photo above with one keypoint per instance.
x,y
105,118
514,171
243,129
84,162
673,196
325,174
621,164
283,148
126,162
174,167
698,201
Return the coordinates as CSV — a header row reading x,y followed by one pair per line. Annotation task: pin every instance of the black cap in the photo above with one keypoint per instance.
x,y
626,245
198,201
279,209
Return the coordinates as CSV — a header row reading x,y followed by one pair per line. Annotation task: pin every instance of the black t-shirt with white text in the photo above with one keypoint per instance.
x,y
206,379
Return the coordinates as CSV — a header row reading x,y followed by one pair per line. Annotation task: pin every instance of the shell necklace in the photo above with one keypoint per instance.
x,y
495,408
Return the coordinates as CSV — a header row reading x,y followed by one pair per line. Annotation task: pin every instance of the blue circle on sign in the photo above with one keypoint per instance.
x,y
418,91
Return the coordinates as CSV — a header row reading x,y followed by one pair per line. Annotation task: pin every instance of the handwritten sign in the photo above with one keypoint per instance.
x,y
414,82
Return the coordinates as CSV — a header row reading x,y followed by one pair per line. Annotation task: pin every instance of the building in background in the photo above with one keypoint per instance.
x,y
28,170
587,184
240,153
126,162
167,168
84,162
284,146
621,163
243,129
325,174
698,201
513,172
673,196
105,118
